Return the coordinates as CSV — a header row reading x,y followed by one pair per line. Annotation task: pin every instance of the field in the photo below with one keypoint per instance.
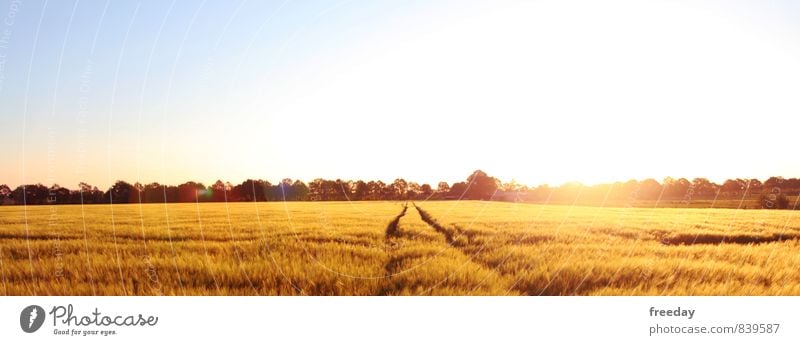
x,y
396,248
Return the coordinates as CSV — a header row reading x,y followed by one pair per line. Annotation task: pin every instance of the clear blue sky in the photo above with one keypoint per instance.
x,y
547,91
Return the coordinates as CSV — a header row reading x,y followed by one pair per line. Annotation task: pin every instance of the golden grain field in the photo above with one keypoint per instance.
x,y
396,248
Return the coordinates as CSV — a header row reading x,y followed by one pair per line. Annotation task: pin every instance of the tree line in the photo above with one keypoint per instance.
x,y
772,193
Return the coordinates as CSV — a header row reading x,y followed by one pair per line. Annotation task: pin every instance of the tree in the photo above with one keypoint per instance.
x,y
154,193
481,186
88,194
120,192
512,186
376,190
398,189
457,190
283,191
251,190
171,193
540,193
413,191
425,190
650,189
478,186
299,190
732,187
218,192
327,190
442,188
361,190
191,192
316,189
755,185
775,181
58,195
704,187
676,188
5,194
343,190
773,201
32,194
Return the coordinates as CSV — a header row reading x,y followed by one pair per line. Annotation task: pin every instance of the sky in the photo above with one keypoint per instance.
x,y
535,91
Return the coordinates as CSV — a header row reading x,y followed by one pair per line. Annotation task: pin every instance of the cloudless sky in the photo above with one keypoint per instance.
x,y
537,91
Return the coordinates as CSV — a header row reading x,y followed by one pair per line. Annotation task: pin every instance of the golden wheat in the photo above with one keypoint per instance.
x,y
393,248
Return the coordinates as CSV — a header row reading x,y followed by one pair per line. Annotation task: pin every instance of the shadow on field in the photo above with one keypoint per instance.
x,y
178,238
36,237
690,239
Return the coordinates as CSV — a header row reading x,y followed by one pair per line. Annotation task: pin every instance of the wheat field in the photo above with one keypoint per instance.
x,y
395,248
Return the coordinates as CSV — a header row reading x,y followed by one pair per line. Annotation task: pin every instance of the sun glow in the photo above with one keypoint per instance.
x,y
615,91
539,92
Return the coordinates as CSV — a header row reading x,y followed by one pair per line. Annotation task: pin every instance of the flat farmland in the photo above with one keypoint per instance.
x,y
395,248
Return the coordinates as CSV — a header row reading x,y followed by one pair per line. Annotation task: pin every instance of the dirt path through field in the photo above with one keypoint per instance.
x,y
420,263
461,241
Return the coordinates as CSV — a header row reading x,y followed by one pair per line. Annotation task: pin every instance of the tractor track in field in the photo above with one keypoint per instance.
x,y
461,240
391,229
452,236
392,232
456,238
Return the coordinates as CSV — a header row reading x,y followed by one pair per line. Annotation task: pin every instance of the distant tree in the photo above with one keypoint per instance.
x,y
481,186
597,192
264,193
704,187
399,188
242,191
733,187
457,190
755,185
413,191
316,189
5,194
299,190
442,188
58,195
276,192
32,194
252,190
191,192
361,191
344,190
88,194
676,188
120,192
650,189
772,193
511,186
219,191
569,191
284,190
376,189
632,190
773,201
327,190
172,193
425,191
775,181
84,187
136,194
153,193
